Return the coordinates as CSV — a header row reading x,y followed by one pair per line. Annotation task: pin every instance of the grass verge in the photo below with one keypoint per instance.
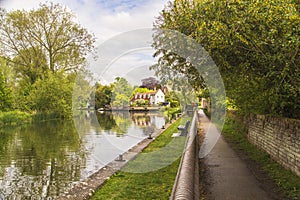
x,y
235,134
155,184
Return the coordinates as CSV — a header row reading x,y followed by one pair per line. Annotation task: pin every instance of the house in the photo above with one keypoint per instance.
x,y
154,98
158,97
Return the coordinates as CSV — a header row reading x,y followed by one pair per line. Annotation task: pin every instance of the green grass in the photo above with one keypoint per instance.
x,y
235,134
152,174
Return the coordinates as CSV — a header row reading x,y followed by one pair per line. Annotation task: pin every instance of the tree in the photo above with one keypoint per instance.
x,y
6,98
255,45
121,92
47,37
5,95
140,90
150,83
103,95
52,95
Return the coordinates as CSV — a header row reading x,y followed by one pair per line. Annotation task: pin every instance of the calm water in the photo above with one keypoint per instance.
x,y
43,160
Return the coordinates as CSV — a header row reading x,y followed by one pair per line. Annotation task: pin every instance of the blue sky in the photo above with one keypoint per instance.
x,y
107,19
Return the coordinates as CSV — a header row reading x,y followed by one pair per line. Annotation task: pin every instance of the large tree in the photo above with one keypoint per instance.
x,y
44,38
255,45
52,95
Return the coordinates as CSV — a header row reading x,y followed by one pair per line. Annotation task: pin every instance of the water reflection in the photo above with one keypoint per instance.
x,y
33,158
44,160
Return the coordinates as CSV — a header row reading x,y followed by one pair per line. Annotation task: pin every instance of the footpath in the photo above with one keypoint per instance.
x,y
227,176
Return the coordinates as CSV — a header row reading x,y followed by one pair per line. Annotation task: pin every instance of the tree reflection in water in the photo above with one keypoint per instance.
x,y
45,159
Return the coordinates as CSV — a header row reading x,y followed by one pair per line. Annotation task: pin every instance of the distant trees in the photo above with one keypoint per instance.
x,y
116,94
52,95
103,95
5,94
255,45
140,90
121,92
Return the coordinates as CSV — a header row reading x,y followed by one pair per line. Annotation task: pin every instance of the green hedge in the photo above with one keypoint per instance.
x,y
14,118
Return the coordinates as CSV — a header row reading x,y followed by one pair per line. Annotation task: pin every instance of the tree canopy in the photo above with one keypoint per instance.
x,y
43,51
121,92
150,83
103,95
47,37
255,45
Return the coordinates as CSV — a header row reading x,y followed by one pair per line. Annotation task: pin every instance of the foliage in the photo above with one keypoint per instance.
x,y
6,98
121,92
140,90
254,43
44,50
14,118
103,95
171,112
150,83
45,38
52,95
235,133
81,91
141,102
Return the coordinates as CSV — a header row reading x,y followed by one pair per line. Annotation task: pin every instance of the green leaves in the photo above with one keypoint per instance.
x,y
52,95
121,92
48,32
255,44
103,95
5,95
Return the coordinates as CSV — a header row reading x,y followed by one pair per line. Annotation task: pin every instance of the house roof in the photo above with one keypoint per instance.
x,y
144,95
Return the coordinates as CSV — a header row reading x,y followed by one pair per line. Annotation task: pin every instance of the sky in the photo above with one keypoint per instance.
x,y
107,19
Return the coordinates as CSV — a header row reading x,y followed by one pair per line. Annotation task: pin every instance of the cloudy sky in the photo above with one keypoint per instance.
x,y
107,19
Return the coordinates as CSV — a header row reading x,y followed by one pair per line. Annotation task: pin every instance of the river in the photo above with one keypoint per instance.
x,y
44,160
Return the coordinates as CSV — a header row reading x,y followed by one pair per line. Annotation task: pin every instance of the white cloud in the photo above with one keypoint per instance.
x,y
106,19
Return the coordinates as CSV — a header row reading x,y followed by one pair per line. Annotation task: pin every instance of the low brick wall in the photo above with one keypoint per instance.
x,y
279,137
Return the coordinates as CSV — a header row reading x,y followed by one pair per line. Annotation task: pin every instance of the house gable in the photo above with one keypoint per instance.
x,y
153,97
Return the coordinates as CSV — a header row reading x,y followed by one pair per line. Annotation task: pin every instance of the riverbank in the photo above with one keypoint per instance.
x,y
85,189
16,117
12,118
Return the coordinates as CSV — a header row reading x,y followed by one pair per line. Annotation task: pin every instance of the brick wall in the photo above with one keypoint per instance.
x,y
279,137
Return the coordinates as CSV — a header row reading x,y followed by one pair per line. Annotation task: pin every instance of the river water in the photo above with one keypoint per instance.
x,y
44,160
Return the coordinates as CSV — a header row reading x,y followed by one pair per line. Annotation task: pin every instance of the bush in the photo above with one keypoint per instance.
x,y
52,95
14,118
